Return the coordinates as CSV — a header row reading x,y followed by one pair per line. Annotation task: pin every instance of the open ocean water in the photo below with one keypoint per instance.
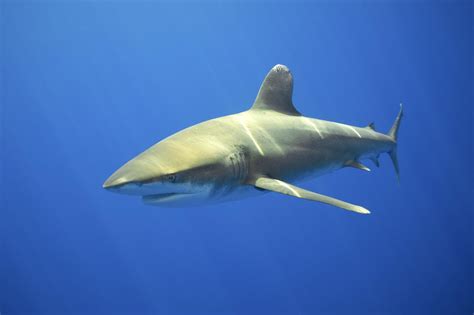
x,y
87,85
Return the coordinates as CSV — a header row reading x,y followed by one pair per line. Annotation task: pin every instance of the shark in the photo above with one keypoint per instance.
x,y
267,148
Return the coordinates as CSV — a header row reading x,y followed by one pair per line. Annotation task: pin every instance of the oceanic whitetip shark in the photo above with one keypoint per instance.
x,y
265,148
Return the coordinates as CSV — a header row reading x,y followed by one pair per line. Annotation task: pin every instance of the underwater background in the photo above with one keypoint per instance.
x,y
88,85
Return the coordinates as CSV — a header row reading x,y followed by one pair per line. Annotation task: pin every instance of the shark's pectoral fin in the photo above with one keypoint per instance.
x,y
288,189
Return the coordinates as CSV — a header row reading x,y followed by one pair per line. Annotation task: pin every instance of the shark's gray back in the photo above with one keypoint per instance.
x,y
280,145
272,138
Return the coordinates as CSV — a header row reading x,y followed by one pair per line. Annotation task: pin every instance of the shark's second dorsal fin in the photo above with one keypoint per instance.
x,y
276,92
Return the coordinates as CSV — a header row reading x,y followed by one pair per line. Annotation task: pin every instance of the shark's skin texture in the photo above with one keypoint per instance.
x,y
262,149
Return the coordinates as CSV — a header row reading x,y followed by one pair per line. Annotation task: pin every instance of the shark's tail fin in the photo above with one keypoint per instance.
x,y
393,133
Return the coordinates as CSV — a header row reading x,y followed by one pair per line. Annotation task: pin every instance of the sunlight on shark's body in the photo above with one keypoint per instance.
x,y
262,149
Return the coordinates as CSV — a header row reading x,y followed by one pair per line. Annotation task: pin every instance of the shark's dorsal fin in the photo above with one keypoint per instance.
x,y
276,92
288,189
371,126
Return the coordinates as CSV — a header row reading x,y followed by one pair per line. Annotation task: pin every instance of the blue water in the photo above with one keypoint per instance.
x,y
88,85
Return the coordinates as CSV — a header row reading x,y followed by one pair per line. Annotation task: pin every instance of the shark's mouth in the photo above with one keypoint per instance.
x,y
166,198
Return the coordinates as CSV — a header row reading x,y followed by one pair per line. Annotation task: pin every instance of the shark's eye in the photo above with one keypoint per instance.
x,y
170,177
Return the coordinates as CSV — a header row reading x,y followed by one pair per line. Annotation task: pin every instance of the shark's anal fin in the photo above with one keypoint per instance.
x,y
375,159
288,189
357,164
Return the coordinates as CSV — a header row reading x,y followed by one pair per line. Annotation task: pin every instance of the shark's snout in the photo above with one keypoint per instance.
x,y
123,185
113,183
138,177
128,179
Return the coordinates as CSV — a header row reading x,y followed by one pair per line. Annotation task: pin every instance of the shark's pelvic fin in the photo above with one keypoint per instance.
x,y
276,92
358,165
288,189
